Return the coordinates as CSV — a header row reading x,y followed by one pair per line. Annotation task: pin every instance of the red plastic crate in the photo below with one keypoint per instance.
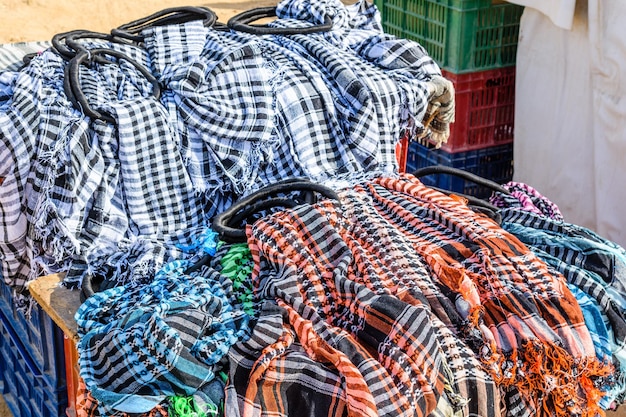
x,y
485,109
72,375
402,149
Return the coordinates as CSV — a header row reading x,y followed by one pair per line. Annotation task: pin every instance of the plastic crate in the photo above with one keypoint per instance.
x,y
460,35
24,389
73,376
484,109
402,149
41,338
5,297
494,163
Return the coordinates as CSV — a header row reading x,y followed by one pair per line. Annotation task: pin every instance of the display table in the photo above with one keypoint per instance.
x,y
58,302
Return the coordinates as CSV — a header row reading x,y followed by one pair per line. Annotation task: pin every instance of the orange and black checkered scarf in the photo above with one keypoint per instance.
x,y
348,266
533,331
384,348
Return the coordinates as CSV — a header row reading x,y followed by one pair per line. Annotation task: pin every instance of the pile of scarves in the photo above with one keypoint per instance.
x,y
193,117
395,300
392,300
593,267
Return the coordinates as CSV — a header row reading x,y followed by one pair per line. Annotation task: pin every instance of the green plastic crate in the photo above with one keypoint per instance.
x,y
460,35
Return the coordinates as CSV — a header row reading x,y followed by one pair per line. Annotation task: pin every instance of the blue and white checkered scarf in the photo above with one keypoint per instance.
x,y
237,112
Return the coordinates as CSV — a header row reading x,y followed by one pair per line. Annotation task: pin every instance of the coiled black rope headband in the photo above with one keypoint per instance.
x,y
72,85
243,215
226,223
242,23
66,44
442,169
170,16
474,202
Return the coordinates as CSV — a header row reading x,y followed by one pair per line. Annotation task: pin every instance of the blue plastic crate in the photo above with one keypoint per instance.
x,y
494,163
40,337
24,388
5,297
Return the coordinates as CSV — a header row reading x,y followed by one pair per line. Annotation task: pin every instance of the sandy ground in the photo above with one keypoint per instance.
x,y
4,409
39,20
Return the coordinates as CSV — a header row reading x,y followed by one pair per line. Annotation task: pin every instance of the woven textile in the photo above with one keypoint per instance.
x,y
12,54
237,111
87,406
235,262
526,198
288,379
595,265
467,381
590,263
141,189
29,148
533,331
322,106
599,328
76,190
324,258
140,344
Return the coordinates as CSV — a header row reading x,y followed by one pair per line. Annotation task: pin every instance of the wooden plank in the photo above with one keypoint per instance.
x,y
59,302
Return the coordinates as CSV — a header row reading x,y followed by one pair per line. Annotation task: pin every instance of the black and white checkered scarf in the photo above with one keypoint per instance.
x,y
237,112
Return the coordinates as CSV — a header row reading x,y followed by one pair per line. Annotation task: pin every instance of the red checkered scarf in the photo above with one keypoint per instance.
x,y
534,336
385,349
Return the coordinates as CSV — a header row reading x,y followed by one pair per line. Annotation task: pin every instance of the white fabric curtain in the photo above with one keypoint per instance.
x,y
570,115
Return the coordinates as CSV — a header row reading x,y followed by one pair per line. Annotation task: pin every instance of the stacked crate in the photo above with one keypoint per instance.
x,y
32,363
475,44
32,357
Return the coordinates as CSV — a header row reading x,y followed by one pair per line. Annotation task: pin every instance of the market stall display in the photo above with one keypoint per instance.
x,y
226,198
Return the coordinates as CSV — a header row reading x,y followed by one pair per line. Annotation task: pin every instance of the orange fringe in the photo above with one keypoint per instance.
x,y
548,376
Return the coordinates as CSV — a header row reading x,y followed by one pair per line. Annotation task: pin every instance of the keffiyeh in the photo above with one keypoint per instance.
x,y
115,197
140,344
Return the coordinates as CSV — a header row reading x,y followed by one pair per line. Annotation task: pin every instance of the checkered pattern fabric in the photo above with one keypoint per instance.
x,y
29,154
87,406
307,374
61,189
319,278
588,261
527,198
237,112
530,323
320,106
590,264
140,344
293,382
234,261
599,328
12,54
